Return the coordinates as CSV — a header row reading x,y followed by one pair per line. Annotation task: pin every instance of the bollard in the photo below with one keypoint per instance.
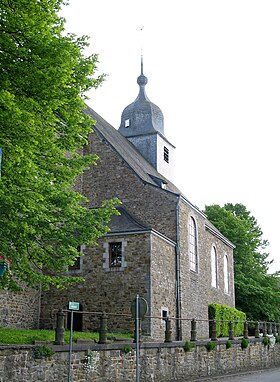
x,y
274,330
59,330
230,331
264,329
103,329
193,330
257,330
245,332
214,331
269,328
168,331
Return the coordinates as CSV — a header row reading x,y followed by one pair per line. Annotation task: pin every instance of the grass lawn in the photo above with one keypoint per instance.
x,y
28,336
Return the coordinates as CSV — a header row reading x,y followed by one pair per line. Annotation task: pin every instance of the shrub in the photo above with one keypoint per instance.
x,y
244,343
223,314
228,344
266,341
188,346
211,345
126,349
43,351
277,339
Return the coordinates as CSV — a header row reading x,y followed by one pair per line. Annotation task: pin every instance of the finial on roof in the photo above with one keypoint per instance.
x,y
142,80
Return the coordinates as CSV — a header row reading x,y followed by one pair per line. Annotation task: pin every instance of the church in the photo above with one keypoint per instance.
x,y
161,246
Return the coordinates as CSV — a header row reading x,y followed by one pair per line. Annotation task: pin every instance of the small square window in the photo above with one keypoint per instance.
x,y
126,123
115,254
166,154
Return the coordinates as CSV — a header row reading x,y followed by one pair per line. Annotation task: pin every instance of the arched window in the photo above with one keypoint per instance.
x,y
226,274
214,267
193,245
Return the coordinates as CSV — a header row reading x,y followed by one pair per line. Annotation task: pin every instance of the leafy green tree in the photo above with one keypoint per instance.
x,y
257,291
44,76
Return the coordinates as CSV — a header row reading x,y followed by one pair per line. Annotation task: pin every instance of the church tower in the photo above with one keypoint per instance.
x,y
142,124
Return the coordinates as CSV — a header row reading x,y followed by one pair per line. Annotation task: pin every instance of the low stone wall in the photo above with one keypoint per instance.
x,y
159,362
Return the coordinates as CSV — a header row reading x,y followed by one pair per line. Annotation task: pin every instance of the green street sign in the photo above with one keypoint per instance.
x,y
74,305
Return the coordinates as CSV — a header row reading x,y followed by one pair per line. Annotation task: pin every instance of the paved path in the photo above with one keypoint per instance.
x,y
272,375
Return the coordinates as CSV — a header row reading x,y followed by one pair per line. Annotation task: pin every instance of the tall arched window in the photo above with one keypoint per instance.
x,y
214,267
193,245
226,274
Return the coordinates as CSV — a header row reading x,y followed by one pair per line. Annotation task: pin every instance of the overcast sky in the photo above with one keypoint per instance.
x,y
213,67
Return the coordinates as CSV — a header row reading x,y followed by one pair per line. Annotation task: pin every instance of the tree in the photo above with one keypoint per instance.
x,y
44,76
257,291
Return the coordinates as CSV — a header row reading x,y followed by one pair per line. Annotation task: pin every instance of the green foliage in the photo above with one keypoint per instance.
x,y
266,341
211,345
44,76
28,336
228,344
188,346
277,339
43,351
223,314
257,292
126,349
244,343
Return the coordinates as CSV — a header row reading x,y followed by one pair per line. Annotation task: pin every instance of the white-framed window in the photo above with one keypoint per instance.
x,y
214,267
114,255
193,256
226,274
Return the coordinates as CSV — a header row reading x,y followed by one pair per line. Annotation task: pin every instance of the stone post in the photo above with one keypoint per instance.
x,y
168,331
257,330
245,332
230,331
193,330
214,330
103,329
269,328
264,329
59,330
274,330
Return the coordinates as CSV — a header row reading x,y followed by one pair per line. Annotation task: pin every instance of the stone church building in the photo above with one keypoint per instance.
x,y
161,246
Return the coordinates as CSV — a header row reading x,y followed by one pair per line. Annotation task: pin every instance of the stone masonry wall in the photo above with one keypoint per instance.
x,y
163,286
109,290
112,177
196,288
158,362
20,309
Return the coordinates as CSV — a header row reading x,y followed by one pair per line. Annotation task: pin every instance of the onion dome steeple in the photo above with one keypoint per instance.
x,y
142,125
142,116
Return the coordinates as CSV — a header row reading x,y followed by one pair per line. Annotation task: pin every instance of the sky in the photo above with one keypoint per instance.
x,y
213,67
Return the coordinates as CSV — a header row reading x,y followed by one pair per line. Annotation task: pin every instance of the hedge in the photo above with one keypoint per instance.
x,y
223,314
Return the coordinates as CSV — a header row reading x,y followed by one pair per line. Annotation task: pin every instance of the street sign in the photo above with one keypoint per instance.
x,y
142,307
74,305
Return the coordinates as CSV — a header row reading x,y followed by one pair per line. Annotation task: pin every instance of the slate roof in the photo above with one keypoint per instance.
x,y
142,168
129,153
125,222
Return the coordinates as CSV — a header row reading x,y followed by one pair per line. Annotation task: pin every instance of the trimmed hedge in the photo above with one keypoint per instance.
x,y
225,314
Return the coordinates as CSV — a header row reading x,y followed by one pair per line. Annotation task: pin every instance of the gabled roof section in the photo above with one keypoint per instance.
x,y
125,222
142,168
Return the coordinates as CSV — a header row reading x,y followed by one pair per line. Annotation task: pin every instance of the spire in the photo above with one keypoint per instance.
x,y
141,116
142,81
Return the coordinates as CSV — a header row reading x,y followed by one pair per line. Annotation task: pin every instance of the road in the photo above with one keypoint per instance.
x,y
272,375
